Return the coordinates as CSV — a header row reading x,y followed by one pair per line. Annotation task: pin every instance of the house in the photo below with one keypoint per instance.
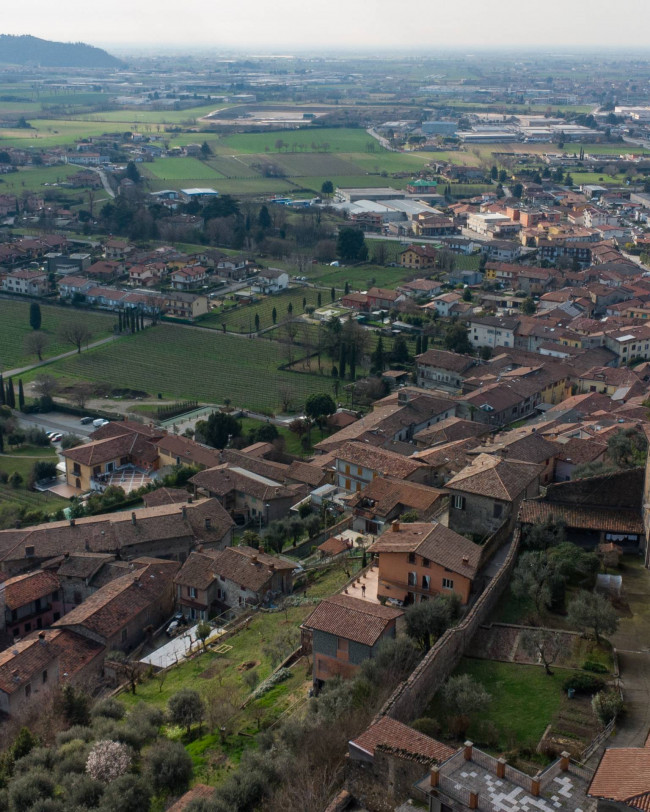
x,y
492,331
487,493
121,614
524,445
69,285
31,601
383,299
420,287
419,560
574,452
26,282
357,464
169,531
183,305
355,301
622,779
29,670
82,573
210,582
445,302
189,277
387,498
427,225
271,280
106,270
448,431
117,249
247,495
419,257
344,632
439,368
173,449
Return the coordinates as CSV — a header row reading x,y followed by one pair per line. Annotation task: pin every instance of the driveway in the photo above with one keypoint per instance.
x,y
632,642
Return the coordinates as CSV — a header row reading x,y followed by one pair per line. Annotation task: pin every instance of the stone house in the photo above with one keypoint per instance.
x,y
29,670
271,280
210,582
357,464
439,368
387,498
31,601
345,631
487,493
419,560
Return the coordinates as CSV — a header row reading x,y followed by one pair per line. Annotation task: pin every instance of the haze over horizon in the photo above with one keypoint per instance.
x,y
338,25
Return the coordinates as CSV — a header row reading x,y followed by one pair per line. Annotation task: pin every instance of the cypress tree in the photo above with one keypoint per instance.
x,y
35,316
377,360
119,321
418,345
342,360
347,288
333,294
141,320
320,298
11,394
425,343
274,315
353,362
2,390
21,395
290,308
2,443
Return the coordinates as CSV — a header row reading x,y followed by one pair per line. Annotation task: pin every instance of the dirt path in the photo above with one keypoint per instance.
x,y
20,370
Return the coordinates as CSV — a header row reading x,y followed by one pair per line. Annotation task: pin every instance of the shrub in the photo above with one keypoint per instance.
x,y
15,480
607,705
82,791
108,760
426,725
168,766
25,792
76,732
128,793
185,708
275,679
109,708
584,684
594,667
40,759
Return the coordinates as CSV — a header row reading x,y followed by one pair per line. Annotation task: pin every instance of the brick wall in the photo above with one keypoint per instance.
x,y
412,696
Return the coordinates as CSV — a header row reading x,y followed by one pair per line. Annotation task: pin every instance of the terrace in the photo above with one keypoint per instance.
x,y
127,477
472,779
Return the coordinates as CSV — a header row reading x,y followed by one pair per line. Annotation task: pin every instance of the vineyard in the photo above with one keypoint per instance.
x,y
186,363
242,319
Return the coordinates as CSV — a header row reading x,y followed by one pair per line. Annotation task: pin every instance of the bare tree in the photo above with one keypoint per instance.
x,y
75,333
544,644
35,343
82,392
221,707
286,395
45,386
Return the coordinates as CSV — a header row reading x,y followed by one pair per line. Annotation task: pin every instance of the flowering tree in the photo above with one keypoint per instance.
x,y
108,760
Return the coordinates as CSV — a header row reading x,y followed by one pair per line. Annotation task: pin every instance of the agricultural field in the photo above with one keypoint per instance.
x,y
185,363
242,319
21,460
182,169
33,180
339,140
14,328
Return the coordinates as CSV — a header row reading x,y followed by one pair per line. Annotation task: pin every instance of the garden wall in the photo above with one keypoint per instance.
x,y
412,696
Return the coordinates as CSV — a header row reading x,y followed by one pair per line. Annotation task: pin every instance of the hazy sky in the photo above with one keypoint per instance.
x,y
276,25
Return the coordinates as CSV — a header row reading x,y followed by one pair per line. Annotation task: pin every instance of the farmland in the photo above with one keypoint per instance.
x,y
308,140
183,362
242,319
14,328
21,461
183,168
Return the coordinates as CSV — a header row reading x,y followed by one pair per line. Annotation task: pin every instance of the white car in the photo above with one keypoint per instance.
x,y
55,438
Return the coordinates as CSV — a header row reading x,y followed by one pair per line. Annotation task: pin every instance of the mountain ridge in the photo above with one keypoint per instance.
x,y
28,50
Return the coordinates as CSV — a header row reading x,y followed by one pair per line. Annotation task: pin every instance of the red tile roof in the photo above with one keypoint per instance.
x,y
495,478
612,520
623,775
24,589
22,660
391,733
352,619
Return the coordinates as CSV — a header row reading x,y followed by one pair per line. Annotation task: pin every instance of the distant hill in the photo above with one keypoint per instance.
x,y
27,50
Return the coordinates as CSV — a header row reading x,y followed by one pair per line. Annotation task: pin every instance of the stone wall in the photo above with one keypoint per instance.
x,y
384,781
412,696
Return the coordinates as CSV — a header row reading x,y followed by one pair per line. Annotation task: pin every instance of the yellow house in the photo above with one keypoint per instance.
x,y
85,464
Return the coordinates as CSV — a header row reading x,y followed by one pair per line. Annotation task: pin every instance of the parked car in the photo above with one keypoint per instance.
x,y
99,422
175,625
55,438
86,420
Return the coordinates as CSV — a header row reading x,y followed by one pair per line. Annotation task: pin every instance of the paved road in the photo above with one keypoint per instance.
x,y
107,187
55,421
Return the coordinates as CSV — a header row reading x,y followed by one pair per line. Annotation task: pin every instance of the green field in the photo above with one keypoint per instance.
x,y
183,362
183,168
30,179
14,328
242,319
339,140
22,461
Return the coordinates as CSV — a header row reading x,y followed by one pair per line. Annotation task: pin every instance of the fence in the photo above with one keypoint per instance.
x,y
519,778
595,744
411,697
453,789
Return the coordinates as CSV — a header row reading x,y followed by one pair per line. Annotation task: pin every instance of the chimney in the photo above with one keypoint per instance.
x,y
133,517
136,579
41,638
465,559
208,523
15,675
395,527
184,512
29,551
72,522
190,499
261,548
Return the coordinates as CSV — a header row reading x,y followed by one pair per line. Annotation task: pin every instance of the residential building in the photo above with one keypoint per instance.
x,y
119,614
188,278
210,583
270,280
487,493
419,257
29,670
31,601
344,632
387,498
383,298
357,464
622,779
419,560
26,282
439,368
492,331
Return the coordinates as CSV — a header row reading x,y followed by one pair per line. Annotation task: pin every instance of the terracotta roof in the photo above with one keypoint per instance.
x,y
377,459
74,650
223,480
21,661
245,566
389,732
198,570
452,361
384,494
495,478
115,429
82,565
23,589
123,445
525,446
435,542
334,546
612,520
166,496
183,447
623,775
450,429
352,619
118,603
197,793
578,451
305,472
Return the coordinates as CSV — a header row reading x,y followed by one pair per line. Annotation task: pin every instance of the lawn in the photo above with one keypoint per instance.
x,y
292,444
523,702
22,461
14,328
242,319
33,178
184,363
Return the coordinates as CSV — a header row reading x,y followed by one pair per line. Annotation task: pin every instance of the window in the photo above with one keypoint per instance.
x,y
411,558
426,582
347,484
44,677
459,502
426,562
412,579
359,470
497,510
342,647
191,591
124,635
28,691
447,583
77,598
347,469
28,627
